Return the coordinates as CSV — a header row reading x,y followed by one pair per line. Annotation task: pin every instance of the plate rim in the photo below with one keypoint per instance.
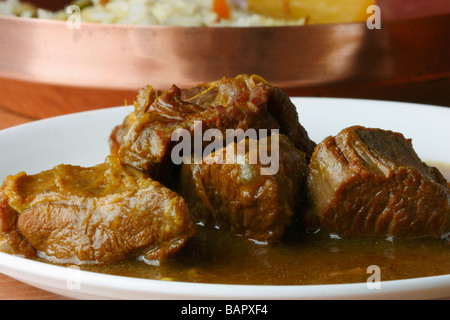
x,y
363,102
91,283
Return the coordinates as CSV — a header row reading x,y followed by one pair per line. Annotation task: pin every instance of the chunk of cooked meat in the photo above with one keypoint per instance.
x,y
240,197
144,139
372,182
95,215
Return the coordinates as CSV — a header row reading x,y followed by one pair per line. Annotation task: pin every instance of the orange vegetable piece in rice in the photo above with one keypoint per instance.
x,y
222,9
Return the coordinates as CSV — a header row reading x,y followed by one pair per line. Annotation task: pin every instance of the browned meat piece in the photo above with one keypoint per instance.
x,y
371,182
93,215
144,139
241,197
119,134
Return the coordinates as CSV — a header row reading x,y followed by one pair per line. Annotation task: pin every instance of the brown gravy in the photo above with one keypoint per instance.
x,y
217,257
214,257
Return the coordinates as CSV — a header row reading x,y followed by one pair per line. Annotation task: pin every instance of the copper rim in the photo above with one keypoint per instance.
x,y
114,58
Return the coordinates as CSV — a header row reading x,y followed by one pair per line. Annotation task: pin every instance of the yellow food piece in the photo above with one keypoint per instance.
x,y
316,11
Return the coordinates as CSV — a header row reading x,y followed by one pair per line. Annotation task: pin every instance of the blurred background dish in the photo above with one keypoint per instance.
x,y
47,69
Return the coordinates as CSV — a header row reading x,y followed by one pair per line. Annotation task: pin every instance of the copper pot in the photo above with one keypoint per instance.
x,y
48,69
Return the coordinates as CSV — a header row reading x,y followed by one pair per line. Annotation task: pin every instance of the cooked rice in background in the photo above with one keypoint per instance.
x,y
187,13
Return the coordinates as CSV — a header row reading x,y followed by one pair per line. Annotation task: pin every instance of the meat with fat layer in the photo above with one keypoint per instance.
x,y
244,102
240,197
371,182
92,215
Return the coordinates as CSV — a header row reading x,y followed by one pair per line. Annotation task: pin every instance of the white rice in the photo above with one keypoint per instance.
x,y
187,13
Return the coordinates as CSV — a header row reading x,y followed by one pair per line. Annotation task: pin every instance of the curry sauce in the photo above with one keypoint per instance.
x,y
218,257
214,256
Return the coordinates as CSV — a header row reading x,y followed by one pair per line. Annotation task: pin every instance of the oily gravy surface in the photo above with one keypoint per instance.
x,y
212,256
215,257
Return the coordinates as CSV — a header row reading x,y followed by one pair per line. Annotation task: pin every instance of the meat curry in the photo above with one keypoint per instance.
x,y
217,257
329,211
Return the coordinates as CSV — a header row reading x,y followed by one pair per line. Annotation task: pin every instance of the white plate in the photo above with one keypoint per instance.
x,y
82,139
